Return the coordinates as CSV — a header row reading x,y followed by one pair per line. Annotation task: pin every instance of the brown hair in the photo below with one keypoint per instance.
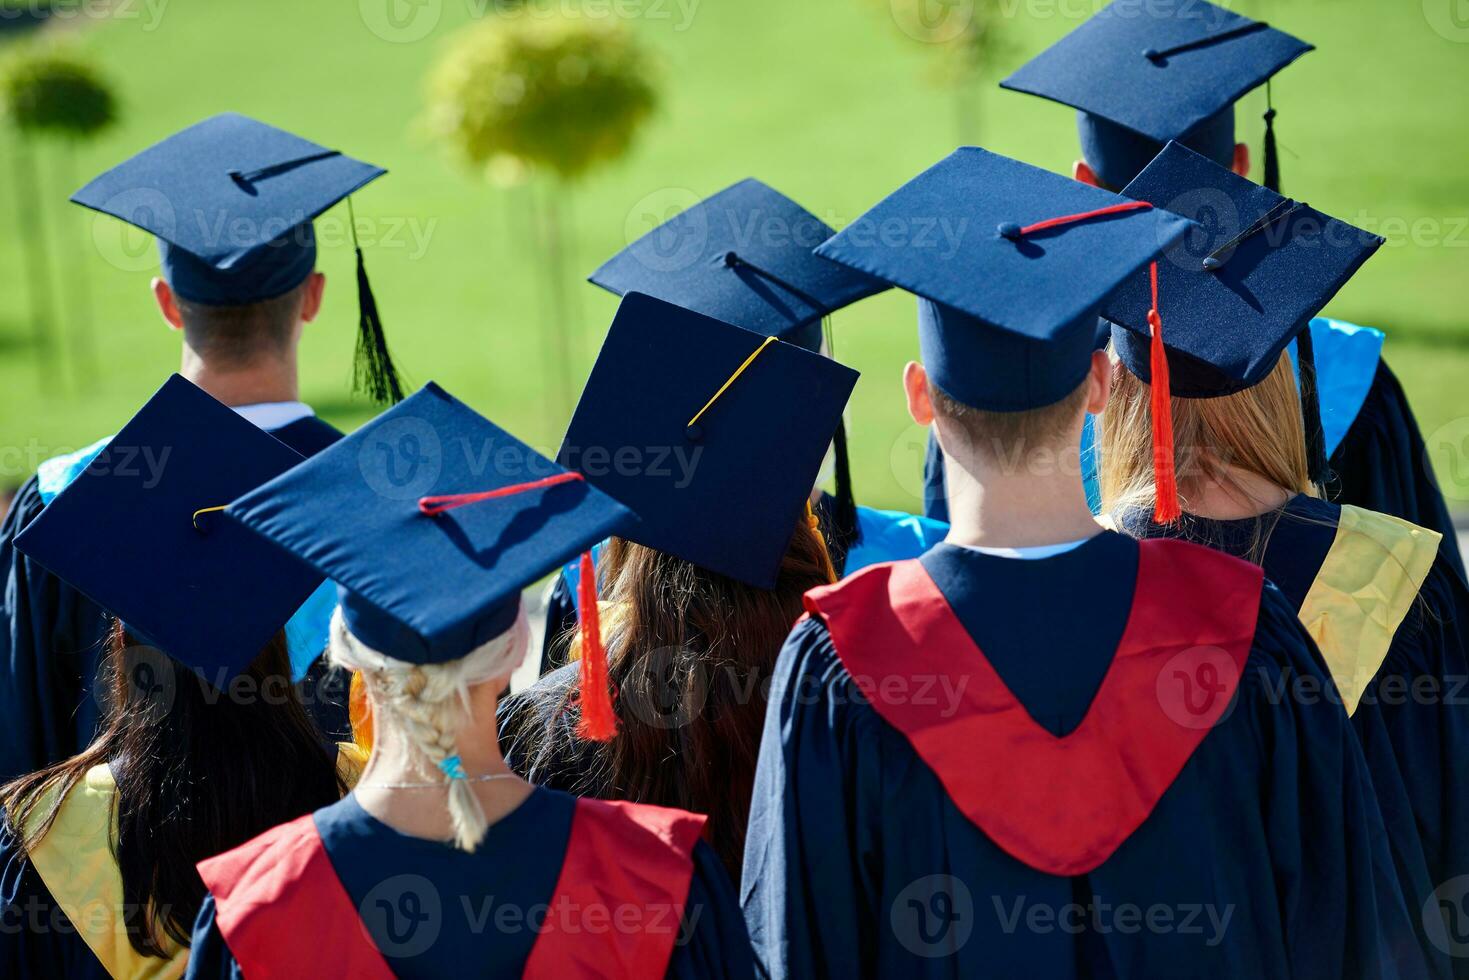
x,y
198,771
1258,430
690,654
239,335
998,435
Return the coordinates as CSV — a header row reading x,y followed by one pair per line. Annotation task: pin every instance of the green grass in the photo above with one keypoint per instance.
x,y
825,99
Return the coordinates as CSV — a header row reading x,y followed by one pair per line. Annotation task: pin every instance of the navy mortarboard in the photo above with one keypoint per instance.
x,y
1144,73
743,256
1241,285
431,520
141,534
231,202
712,434
747,256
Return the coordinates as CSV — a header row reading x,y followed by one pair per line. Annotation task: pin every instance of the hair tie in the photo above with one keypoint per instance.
x,y
453,767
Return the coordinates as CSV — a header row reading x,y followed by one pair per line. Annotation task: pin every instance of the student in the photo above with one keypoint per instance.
x,y
1389,613
442,860
700,594
745,256
213,194
204,740
1140,75
956,781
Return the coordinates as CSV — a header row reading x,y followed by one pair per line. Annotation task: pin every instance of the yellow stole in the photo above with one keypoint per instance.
x,y
1366,586
76,862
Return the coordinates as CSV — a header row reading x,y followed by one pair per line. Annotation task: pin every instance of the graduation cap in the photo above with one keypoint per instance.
x,y
139,531
1142,74
746,256
1240,286
711,433
1008,305
231,202
432,520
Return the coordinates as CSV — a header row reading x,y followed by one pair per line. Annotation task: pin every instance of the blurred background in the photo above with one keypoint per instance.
x,y
499,202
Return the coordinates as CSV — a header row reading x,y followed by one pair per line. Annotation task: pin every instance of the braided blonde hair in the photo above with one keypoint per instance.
x,y
429,705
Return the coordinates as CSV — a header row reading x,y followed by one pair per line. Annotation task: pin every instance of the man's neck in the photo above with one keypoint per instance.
x,y
269,380
991,506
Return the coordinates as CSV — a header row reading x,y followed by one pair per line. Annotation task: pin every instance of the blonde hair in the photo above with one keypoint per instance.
x,y
1258,430
429,705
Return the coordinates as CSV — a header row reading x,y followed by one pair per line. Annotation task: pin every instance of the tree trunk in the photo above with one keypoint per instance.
x,y
37,252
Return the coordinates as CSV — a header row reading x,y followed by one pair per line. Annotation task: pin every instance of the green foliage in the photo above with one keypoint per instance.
x,y
560,95
45,91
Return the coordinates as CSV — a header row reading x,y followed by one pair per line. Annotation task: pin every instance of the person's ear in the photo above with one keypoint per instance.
x,y
1083,172
311,299
1099,382
915,385
1242,159
167,304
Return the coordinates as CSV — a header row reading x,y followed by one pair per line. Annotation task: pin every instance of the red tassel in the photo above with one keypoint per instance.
x,y
1166,508
598,720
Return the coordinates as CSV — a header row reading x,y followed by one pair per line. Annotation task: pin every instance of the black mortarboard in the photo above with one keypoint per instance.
x,y
1142,73
711,433
231,202
139,532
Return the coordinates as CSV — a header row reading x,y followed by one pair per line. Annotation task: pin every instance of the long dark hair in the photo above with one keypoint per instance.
x,y
690,654
198,771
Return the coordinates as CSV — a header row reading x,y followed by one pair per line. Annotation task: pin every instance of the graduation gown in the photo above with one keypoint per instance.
x,y
1094,795
337,893
883,535
52,637
1392,620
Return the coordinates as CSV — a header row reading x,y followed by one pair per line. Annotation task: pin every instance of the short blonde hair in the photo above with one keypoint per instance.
x,y
429,704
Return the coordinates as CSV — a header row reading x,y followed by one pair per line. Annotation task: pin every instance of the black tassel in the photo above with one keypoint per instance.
x,y
1318,468
1272,153
845,531
372,367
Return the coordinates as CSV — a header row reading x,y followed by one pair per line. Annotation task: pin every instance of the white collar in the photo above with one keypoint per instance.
x,y
1031,553
271,416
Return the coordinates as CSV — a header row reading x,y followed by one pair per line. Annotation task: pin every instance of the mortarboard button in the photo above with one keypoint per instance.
x,y
1010,230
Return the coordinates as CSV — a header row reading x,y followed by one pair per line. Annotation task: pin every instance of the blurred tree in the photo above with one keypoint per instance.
x,y
966,42
46,93
520,97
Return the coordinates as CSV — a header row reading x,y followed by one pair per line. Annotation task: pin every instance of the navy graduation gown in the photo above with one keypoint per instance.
x,y
52,639
1262,857
1382,465
342,890
1412,712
